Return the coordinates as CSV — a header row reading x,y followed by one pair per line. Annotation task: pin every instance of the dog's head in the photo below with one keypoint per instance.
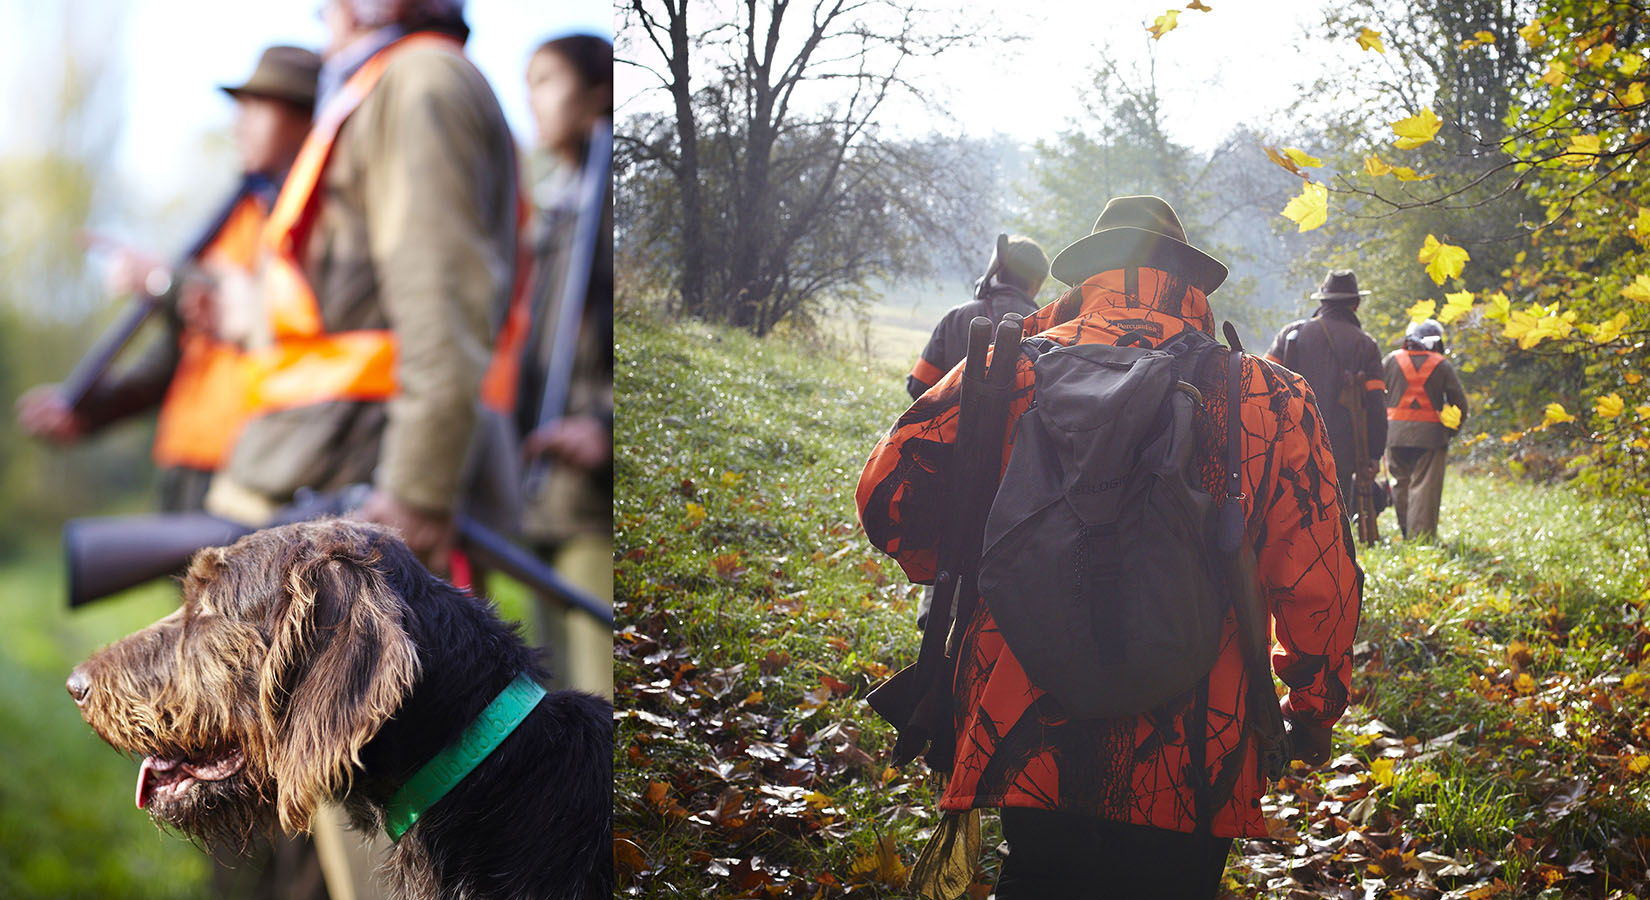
x,y
253,700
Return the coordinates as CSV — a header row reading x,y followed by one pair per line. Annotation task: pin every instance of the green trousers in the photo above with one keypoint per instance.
x,y
1417,487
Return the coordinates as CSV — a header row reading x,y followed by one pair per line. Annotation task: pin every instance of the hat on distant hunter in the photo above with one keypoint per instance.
x,y
1339,284
283,73
1138,231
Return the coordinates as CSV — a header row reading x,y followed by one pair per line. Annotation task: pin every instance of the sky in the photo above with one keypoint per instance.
x,y
1235,64
171,123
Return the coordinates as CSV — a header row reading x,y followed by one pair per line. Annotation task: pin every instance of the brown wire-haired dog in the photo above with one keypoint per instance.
x,y
320,661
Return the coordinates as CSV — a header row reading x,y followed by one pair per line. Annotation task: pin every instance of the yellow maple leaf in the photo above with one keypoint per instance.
x,y
1605,332
1422,310
1450,416
1583,150
1381,770
882,864
1641,226
1524,684
1630,64
695,513
1609,406
1557,74
1416,130
1443,261
1370,39
1555,413
1283,162
1497,306
1302,158
1519,325
1634,96
1638,764
1632,378
1405,173
1374,165
1532,34
1164,24
1600,55
1311,208
1638,290
1197,5
1643,411
1478,39
1456,305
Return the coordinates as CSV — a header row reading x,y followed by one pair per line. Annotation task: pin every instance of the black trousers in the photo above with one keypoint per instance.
x,y
1059,855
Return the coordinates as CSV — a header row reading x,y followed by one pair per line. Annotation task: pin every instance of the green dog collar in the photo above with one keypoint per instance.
x,y
446,769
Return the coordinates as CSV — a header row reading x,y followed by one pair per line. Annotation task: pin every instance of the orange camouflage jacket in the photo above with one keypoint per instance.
x,y
1015,746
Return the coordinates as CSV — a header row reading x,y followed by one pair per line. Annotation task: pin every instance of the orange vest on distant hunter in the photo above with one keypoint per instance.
x,y
205,403
1415,405
306,364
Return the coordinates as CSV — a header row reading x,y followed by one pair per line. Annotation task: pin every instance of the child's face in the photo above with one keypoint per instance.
x,y
562,108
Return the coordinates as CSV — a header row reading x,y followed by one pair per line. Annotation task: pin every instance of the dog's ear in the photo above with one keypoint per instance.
x,y
339,665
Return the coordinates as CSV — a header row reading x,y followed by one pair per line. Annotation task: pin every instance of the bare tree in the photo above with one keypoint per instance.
x,y
782,188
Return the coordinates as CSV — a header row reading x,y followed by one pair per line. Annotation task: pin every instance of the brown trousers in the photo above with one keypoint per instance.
x,y
1417,487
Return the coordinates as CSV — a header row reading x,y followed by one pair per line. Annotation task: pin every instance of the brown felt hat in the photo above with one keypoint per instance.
x,y
1339,284
283,73
1138,231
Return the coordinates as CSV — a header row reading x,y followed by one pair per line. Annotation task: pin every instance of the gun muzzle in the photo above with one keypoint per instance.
x,y
107,555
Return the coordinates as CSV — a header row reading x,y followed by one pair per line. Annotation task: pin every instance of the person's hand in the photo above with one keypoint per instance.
x,y
1371,469
198,306
1309,743
580,441
42,413
134,272
428,533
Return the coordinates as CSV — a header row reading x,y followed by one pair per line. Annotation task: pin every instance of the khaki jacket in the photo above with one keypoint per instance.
x,y
416,232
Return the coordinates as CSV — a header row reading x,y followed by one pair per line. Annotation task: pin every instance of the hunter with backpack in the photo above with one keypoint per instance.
x,y
1111,549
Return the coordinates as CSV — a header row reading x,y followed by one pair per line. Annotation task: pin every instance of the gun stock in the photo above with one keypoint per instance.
x,y
107,555
1363,496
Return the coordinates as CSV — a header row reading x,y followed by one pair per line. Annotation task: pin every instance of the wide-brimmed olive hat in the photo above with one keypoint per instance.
x,y
1339,284
1138,231
283,73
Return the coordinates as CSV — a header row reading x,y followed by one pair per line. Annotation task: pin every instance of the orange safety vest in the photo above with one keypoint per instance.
x,y
205,403
306,364
1415,405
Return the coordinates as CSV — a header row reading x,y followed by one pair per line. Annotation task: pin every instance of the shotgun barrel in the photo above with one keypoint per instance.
x,y
106,555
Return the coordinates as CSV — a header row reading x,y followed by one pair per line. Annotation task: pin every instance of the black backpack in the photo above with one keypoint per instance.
x,y
1101,566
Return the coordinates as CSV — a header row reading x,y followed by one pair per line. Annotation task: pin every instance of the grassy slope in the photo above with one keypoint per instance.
x,y
755,616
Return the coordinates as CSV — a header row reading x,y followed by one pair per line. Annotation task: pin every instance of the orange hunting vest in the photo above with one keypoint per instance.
x,y
306,364
1415,405
205,403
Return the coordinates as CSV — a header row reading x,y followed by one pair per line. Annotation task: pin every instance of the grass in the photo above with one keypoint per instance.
x,y
1498,744
68,828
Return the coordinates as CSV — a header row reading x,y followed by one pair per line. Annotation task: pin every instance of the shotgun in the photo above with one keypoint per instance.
x,y
917,700
96,362
108,554
1363,492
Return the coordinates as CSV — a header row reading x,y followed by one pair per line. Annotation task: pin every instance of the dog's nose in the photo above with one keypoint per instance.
x,y
79,685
